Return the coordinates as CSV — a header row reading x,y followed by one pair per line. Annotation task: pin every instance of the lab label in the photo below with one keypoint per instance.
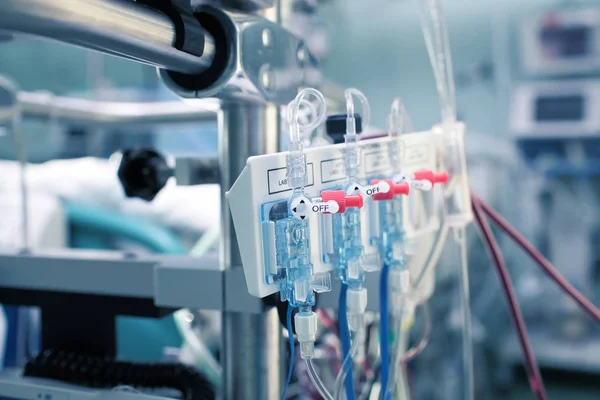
x,y
277,179
375,162
418,154
332,170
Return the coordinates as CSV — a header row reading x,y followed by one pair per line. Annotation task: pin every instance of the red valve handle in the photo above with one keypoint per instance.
x,y
426,175
342,199
396,189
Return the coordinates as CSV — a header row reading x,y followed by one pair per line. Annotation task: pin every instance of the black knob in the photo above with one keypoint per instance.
x,y
143,173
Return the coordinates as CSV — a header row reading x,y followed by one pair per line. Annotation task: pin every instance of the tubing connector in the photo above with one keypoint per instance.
x,y
306,332
356,306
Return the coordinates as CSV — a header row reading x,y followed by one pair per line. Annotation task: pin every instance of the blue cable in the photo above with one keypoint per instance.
x,y
384,346
345,338
292,350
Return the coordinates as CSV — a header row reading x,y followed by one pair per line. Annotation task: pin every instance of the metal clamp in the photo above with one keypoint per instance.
x,y
255,60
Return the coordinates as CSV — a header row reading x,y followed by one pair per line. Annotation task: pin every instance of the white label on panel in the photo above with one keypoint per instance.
x,y
278,179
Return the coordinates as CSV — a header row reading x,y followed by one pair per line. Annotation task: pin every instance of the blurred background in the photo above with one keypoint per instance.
x,y
528,87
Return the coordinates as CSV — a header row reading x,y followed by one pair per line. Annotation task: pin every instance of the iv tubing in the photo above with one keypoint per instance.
x,y
401,356
317,382
346,368
437,43
533,371
384,347
419,347
467,335
292,350
395,370
345,338
351,138
435,254
296,159
548,268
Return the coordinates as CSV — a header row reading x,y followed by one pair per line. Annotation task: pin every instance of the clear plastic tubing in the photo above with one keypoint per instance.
x,y
351,138
296,157
317,382
467,337
346,366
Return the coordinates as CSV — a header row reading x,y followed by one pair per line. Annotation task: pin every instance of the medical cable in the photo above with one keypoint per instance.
x,y
546,265
290,330
345,338
531,367
384,346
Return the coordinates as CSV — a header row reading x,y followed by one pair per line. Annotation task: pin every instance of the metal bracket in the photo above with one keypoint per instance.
x,y
255,60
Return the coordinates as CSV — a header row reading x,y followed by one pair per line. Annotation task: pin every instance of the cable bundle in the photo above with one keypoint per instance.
x,y
103,372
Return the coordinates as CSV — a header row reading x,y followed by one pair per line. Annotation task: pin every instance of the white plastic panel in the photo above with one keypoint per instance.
x,y
263,180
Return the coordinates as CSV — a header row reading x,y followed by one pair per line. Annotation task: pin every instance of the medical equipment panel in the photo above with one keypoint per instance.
x,y
562,42
262,185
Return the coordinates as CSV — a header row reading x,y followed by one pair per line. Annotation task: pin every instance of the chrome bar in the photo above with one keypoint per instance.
x,y
251,353
120,28
48,107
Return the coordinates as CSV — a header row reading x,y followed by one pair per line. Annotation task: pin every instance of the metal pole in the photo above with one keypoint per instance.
x,y
46,106
251,343
117,27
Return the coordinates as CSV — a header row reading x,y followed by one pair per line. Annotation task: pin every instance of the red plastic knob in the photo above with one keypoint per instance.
x,y
401,189
342,199
396,189
441,177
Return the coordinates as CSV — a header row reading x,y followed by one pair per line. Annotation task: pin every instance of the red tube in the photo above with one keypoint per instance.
x,y
548,268
533,371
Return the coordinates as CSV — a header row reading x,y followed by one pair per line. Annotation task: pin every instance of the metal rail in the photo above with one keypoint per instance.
x,y
120,28
69,109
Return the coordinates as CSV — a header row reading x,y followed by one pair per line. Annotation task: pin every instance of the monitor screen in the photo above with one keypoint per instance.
x,y
559,108
566,41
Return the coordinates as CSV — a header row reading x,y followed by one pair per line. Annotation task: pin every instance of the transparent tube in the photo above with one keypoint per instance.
x,y
204,359
314,377
467,334
435,254
296,163
402,356
351,137
346,366
419,347
366,109
437,43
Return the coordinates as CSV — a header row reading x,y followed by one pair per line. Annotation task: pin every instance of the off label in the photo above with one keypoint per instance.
x,y
416,154
332,170
323,208
371,190
375,162
277,179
